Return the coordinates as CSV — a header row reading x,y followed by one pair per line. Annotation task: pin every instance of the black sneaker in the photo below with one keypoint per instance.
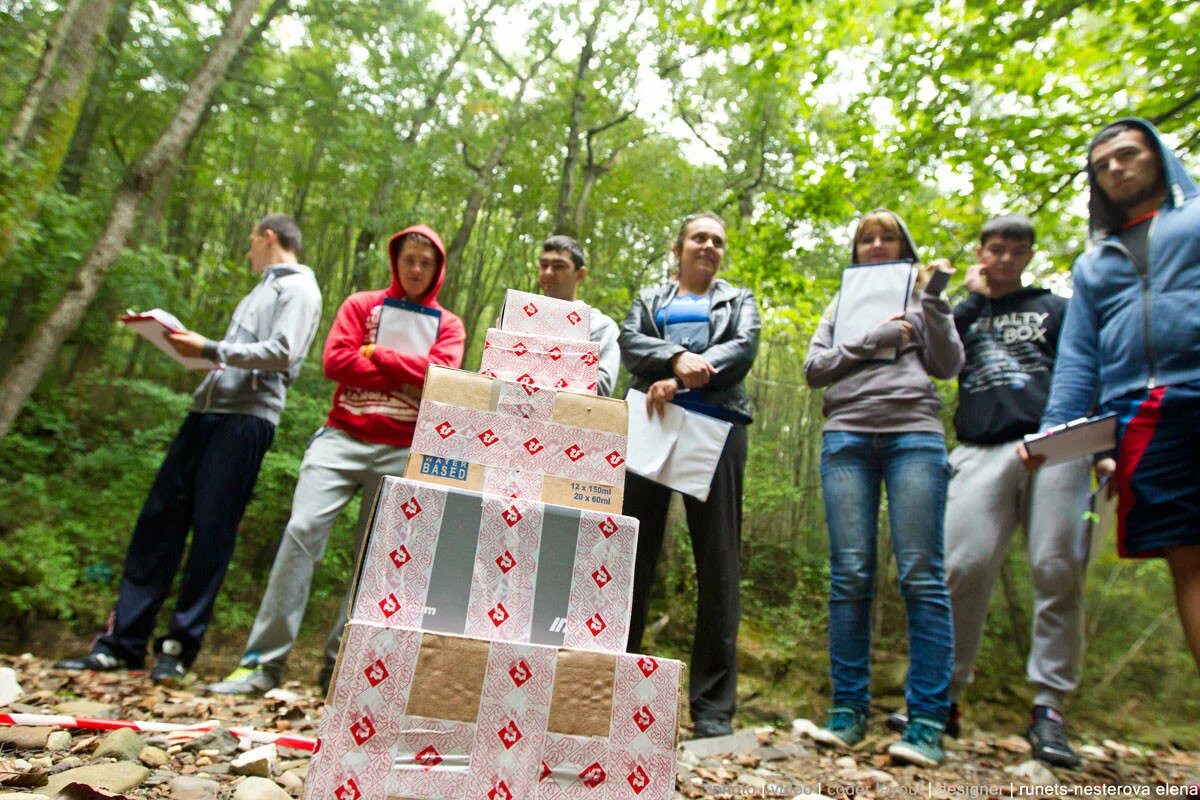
x,y
1048,735
708,727
898,721
169,669
98,661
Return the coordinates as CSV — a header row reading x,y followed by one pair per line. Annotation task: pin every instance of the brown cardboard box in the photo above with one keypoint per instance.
x,y
539,314
452,561
421,716
547,362
499,437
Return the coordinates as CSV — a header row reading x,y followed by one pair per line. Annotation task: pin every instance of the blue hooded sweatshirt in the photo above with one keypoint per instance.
x,y
1127,331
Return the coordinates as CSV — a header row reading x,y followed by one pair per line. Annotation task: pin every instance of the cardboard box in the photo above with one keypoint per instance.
x,y
458,562
535,313
498,437
547,362
422,716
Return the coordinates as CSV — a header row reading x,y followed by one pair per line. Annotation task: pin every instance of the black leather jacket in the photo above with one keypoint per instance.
x,y
733,327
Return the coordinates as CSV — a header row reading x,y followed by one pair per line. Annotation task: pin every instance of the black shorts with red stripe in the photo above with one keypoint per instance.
x,y
1158,470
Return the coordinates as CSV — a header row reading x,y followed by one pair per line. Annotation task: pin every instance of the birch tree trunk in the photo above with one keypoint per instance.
x,y
23,118
46,122
43,344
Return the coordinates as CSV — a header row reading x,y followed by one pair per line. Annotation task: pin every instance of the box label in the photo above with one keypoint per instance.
x,y
449,468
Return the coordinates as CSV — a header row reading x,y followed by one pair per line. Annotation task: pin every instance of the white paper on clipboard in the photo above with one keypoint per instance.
x,y
407,327
154,325
679,450
869,294
1076,439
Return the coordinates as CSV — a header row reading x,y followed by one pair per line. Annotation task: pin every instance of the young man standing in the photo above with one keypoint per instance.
x,y
206,479
1010,333
560,271
1132,335
366,437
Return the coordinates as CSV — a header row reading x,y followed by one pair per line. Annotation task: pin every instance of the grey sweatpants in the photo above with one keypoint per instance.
x,y
991,493
335,467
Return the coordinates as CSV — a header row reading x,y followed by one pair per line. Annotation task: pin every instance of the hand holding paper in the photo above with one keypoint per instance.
x,y
167,333
188,344
678,449
1076,439
659,394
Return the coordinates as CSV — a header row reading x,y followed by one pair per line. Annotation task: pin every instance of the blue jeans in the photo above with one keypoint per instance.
x,y
914,468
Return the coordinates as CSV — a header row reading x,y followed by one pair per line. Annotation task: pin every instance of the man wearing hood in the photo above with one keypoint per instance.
x,y
211,467
366,437
1010,334
1132,335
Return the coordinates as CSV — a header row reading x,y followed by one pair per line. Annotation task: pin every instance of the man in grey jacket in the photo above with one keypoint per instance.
x,y
561,268
211,466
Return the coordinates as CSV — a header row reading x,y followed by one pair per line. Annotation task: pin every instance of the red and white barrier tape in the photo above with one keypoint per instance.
x,y
147,726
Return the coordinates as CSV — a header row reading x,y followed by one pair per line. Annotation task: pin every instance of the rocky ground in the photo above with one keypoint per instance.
x,y
764,762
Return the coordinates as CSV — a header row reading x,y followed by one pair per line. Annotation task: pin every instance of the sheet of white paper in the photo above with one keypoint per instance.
x,y
1077,440
679,450
405,328
154,325
870,294
650,438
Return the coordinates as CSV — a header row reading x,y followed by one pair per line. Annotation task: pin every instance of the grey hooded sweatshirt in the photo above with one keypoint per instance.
x,y
264,346
866,395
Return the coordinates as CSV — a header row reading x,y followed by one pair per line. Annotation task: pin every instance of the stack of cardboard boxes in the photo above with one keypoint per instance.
x,y
484,658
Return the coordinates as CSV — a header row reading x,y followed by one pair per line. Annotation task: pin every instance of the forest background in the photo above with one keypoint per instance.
x,y
143,139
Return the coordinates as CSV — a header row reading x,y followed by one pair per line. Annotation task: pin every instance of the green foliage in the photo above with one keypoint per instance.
x,y
790,119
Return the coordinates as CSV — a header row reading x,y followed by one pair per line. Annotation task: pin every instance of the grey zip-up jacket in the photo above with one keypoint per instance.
x,y
264,346
893,396
733,327
603,331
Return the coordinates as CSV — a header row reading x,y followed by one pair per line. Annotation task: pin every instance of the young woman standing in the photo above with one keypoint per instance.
x,y
691,341
883,427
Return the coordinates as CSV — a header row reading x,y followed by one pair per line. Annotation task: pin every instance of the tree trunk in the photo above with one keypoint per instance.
x,y
55,44
80,150
20,380
563,218
44,140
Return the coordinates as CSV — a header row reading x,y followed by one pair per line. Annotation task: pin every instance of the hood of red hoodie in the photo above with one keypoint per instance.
x,y
396,290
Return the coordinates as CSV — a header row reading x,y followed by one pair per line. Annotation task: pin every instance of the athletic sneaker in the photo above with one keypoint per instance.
x,y
846,727
245,680
98,661
169,669
898,721
711,727
921,743
1048,735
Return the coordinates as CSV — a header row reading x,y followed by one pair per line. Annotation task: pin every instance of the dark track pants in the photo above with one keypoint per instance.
x,y
715,527
204,484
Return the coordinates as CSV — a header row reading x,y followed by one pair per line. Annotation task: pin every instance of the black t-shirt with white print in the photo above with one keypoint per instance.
x,y
1010,345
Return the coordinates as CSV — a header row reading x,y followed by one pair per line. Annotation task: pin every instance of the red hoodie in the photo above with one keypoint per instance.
x,y
377,398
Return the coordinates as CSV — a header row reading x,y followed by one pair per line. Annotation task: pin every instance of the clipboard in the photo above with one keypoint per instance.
x,y
869,294
407,327
154,325
1078,438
